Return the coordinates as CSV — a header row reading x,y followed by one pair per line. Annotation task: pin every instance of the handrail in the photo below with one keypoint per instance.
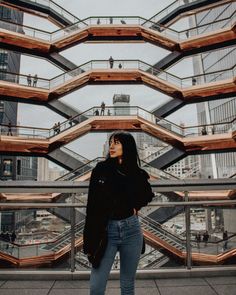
x,y
169,185
157,154
53,6
159,226
161,173
181,131
74,174
93,20
156,17
53,241
125,64
74,154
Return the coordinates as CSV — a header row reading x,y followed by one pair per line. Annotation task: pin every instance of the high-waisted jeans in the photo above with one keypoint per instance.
x,y
126,237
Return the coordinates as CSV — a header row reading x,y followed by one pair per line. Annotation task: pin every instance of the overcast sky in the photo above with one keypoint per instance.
x,y
90,96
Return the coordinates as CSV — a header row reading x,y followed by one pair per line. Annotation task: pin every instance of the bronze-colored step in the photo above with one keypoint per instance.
x,y
41,259
199,258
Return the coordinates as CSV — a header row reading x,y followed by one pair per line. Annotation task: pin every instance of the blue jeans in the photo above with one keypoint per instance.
x,y
126,237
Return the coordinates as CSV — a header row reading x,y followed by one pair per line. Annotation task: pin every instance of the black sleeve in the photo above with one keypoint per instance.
x,y
144,193
90,212
96,216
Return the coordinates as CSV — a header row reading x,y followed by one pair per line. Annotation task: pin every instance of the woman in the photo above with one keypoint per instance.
x,y
118,189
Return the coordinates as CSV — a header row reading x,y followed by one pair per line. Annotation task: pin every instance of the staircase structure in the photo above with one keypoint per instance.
x,y
181,141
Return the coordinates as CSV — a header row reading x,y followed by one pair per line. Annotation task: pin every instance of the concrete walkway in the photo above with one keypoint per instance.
x,y
180,286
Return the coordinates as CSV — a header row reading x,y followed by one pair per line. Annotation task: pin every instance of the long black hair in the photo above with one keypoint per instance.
x,y
130,157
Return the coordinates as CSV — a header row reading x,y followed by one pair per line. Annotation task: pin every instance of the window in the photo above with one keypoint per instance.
x,y
7,167
5,13
3,57
18,167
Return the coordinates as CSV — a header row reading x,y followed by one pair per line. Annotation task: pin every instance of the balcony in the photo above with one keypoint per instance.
x,y
177,238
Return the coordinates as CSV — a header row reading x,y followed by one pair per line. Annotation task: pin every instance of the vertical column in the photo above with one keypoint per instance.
x,y
72,215
188,231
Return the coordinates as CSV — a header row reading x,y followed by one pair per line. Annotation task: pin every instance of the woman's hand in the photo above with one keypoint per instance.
x,y
135,212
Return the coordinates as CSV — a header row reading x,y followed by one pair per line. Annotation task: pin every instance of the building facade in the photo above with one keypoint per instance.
x,y
222,110
220,165
13,167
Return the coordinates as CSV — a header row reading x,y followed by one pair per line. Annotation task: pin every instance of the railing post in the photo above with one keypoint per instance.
x,y
188,234
72,215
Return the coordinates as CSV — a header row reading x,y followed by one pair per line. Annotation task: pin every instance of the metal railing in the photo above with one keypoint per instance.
x,y
59,80
53,6
181,131
165,11
114,21
157,186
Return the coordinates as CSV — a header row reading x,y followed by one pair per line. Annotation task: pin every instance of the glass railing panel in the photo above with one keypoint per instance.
x,y
28,31
53,6
156,172
157,154
29,132
25,30
210,27
208,78
170,33
24,80
213,240
65,14
166,11
118,64
220,128
67,31
80,171
116,111
169,9
112,20
48,235
75,155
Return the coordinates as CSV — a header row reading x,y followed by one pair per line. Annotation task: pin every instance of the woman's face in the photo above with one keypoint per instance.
x,y
115,148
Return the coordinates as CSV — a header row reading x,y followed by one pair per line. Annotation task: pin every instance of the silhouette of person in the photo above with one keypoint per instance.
x,y
70,121
111,20
205,237
225,239
98,21
13,237
29,80
120,66
102,108
213,129
108,112
58,127
123,22
194,81
198,239
35,80
55,128
111,62
96,113
204,131
9,132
